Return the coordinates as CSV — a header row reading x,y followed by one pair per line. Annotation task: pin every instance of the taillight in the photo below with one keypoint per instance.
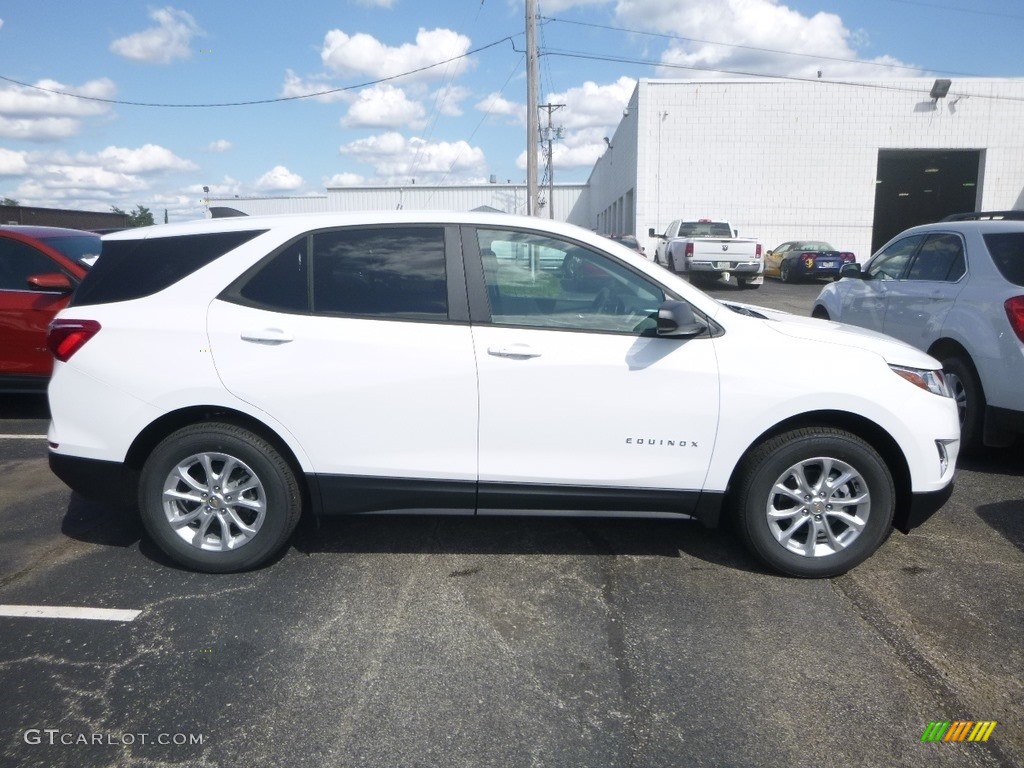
x,y
847,257
757,251
689,250
1015,313
68,336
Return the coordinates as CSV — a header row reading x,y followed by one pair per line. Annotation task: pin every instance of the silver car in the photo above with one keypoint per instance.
x,y
956,290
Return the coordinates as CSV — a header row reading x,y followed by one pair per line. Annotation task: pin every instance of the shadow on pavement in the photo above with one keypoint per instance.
x,y
1006,518
96,523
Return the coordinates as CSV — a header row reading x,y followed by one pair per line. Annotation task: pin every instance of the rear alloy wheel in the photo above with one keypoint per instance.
x,y
970,401
217,498
785,275
814,502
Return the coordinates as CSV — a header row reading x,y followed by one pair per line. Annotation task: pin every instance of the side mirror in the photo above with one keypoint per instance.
x,y
769,252
53,282
676,320
651,232
851,269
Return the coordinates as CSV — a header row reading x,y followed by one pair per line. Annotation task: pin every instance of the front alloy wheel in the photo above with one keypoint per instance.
x,y
813,502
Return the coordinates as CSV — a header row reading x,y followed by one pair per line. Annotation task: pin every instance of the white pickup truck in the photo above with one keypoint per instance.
x,y
707,249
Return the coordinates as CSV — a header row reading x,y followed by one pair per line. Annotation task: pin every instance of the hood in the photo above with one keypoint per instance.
x,y
893,350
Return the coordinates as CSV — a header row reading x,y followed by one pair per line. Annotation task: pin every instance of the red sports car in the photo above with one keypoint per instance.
x,y
39,269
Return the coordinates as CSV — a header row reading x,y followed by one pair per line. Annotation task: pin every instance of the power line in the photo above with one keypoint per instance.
x,y
122,102
960,9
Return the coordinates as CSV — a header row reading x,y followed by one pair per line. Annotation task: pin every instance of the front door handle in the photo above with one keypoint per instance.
x,y
267,336
513,350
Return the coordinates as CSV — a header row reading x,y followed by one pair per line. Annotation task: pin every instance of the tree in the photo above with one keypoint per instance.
x,y
10,201
140,217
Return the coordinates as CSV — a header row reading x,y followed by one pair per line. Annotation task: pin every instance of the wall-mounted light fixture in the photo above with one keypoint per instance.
x,y
940,88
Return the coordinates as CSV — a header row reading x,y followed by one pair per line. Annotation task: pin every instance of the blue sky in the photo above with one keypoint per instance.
x,y
385,122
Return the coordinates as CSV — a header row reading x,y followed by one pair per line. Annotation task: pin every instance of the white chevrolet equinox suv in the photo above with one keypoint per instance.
x,y
225,375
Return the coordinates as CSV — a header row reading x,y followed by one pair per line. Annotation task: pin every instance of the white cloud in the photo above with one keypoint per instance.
x,y
344,180
296,86
592,105
220,145
278,179
12,163
149,158
383,106
170,39
50,98
396,159
364,54
448,99
38,129
496,104
763,27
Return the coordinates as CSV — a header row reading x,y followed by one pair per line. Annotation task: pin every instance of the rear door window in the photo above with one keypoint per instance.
x,y
394,272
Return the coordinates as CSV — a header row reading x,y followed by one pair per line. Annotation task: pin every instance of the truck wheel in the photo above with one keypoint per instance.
x,y
217,498
745,283
813,502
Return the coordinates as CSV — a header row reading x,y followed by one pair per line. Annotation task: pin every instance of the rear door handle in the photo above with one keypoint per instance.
x,y
267,336
513,350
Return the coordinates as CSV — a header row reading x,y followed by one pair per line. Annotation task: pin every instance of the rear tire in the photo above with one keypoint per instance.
x,y
970,401
744,283
814,502
217,498
821,313
785,273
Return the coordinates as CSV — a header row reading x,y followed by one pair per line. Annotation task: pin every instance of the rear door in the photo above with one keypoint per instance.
x,y
355,340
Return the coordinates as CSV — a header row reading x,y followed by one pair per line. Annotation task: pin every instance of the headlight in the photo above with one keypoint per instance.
x,y
924,378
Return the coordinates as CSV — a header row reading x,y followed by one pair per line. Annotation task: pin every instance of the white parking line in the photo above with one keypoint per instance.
x,y
66,612
22,437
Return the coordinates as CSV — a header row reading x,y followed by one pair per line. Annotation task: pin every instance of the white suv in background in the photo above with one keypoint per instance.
x,y
954,289
227,374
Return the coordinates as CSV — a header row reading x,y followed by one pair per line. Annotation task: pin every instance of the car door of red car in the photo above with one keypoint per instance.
x,y
25,310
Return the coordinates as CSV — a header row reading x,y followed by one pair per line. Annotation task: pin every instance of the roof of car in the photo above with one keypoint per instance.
x,y
38,231
341,219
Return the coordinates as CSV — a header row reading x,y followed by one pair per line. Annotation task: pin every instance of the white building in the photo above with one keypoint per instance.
x,y
851,162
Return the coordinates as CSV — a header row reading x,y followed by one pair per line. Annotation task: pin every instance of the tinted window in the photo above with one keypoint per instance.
x,y
81,248
131,269
941,258
540,282
388,271
1007,251
891,263
18,262
280,283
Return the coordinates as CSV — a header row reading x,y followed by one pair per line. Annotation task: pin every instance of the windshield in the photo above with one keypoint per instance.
x,y
84,249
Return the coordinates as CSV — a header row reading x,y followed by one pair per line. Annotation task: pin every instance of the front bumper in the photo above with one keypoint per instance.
x,y
922,506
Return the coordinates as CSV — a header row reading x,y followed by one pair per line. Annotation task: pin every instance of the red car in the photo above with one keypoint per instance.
x,y
39,269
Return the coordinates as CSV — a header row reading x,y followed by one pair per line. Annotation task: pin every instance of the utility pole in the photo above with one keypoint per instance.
x,y
532,132
551,134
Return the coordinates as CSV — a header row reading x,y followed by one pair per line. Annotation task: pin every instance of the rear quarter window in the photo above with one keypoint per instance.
x,y
1007,250
131,269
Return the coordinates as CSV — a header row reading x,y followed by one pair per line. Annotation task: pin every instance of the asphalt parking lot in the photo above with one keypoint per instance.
x,y
388,641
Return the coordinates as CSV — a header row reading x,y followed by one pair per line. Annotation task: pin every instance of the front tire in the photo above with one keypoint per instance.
x,y
970,401
217,498
813,502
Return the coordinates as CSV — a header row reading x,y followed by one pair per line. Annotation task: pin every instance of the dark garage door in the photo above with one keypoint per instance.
x,y
920,186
